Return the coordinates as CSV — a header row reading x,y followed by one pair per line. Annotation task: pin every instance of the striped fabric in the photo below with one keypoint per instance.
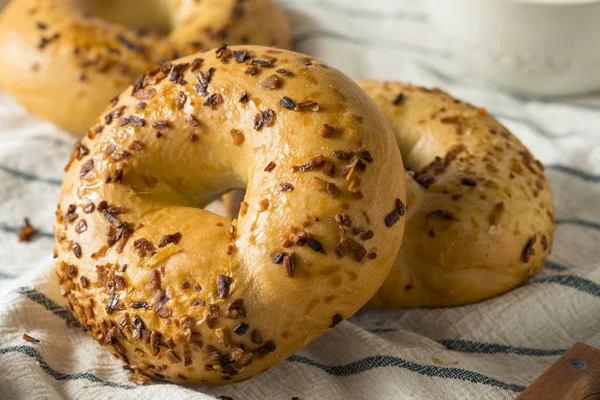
x,y
491,350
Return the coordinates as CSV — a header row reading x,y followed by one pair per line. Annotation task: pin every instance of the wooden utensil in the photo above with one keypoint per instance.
x,y
575,376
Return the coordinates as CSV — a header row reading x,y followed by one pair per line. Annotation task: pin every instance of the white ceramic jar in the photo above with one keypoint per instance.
x,y
541,47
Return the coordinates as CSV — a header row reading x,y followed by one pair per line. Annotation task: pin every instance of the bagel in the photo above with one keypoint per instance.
x,y
185,295
480,216
63,60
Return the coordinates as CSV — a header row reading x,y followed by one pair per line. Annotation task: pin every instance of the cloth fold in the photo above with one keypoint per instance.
x,y
490,350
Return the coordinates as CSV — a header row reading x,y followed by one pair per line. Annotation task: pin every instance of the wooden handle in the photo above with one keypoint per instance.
x,y
576,375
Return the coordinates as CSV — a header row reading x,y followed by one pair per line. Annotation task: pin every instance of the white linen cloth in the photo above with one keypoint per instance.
x,y
491,350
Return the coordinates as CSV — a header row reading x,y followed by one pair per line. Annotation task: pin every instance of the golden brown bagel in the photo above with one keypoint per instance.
x,y
64,59
480,218
188,296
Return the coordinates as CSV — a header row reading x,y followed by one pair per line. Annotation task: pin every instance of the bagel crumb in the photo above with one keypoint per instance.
x,y
336,319
139,379
270,166
27,232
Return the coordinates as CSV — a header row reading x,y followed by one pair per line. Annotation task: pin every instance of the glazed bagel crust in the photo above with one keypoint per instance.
x,y
64,66
188,296
480,217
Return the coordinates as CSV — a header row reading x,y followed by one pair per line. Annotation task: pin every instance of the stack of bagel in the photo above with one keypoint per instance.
x,y
344,193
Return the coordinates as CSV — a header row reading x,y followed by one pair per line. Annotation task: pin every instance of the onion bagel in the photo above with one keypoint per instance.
x,y
63,60
480,216
183,294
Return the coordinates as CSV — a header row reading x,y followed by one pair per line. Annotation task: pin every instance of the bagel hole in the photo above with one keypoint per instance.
x,y
153,17
227,205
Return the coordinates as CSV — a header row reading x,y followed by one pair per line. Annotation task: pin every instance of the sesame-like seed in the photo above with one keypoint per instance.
x,y
497,213
168,239
223,284
238,137
315,245
468,182
86,168
444,214
336,319
241,329
289,264
286,187
270,166
399,99
287,103
528,250
272,82
30,339
327,131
